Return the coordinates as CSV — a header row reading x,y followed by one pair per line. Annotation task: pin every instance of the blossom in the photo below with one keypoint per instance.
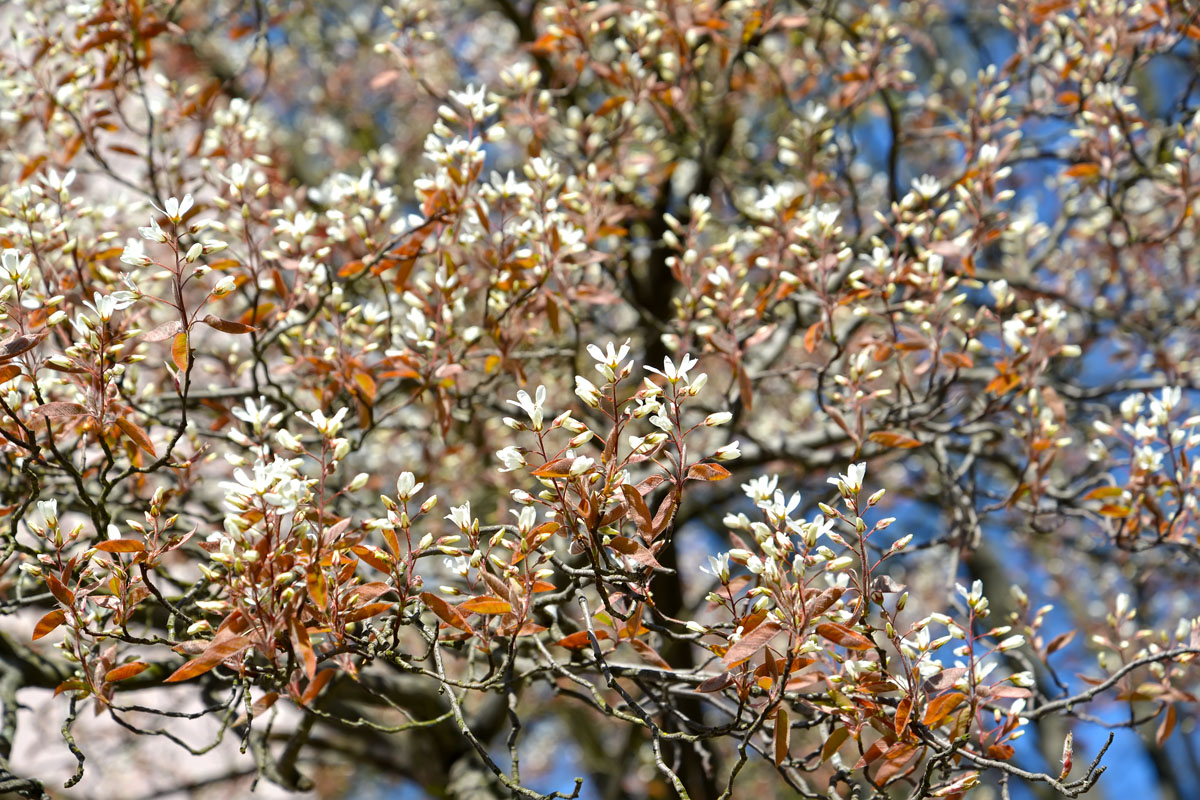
x,y
327,426
608,361
850,482
532,407
718,567
461,516
671,372
511,458
407,486
177,209
587,392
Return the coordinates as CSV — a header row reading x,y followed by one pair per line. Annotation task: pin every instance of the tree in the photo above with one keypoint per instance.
x,y
487,393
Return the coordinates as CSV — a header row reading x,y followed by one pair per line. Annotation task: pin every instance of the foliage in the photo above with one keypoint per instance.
x,y
918,277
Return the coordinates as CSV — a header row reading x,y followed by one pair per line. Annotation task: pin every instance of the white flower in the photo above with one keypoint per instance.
x,y
608,362
176,209
105,305
718,567
581,465
850,482
407,486
532,407
327,426
511,457
587,392
255,415
49,511
926,186
461,516
729,452
671,372
717,418
761,488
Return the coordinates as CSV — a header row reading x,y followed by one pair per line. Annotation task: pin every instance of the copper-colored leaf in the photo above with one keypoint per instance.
x,y
9,371
579,640
49,622
61,593
20,343
227,326
1165,727
366,611
840,634
485,604
448,613
121,546
750,643
638,510
903,712
139,436
558,468
873,753
179,350
835,741
783,736
716,683
219,650
893,439
707,472
635,550
649,654
126,671
161,332
315,685
940,707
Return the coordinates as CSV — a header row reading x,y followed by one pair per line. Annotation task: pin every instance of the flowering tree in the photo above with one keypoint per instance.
x,y
488,393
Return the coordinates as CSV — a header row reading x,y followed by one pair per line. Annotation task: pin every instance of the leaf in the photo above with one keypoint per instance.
x,y
9,371
1104,493
448,613
161,332
840,634
940,707
138,435
895,761
783,736
48,623
20,343
315,685
635,550
61,410
893,439
903,712
367,611
649,654
823,602
750,643
219,650
716,683
834,742
121,546
61,593
1165,727
638,510
579,640
179,350
943,680
873,753
126,671
1001,752
485,604
227,326
812,334
707,472
558,468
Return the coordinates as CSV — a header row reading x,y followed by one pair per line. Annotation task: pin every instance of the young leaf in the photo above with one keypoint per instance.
x,y
840,634
126,671
227,326
783,736
49,622
138,435
179,351
750,643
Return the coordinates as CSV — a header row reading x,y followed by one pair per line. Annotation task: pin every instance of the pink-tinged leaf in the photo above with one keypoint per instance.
x,y
49,622
162,332
56,410
1068,752
638,510
649,654
1060,641
745,648
634,550
315,685
873,753
18,344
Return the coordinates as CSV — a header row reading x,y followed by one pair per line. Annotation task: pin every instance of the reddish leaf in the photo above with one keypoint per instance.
x,y
448,613
649,654
835,741
315,685
485,604
783,736
638,510
1165,727
126,671
751,643
49,622
635,550
219,650
8,372
61,593
579,640
940,707
121,546
716,683
840,634
138,435
873,753
161,332
227,326
707,472
892,439
1060,641
558,468
364,612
